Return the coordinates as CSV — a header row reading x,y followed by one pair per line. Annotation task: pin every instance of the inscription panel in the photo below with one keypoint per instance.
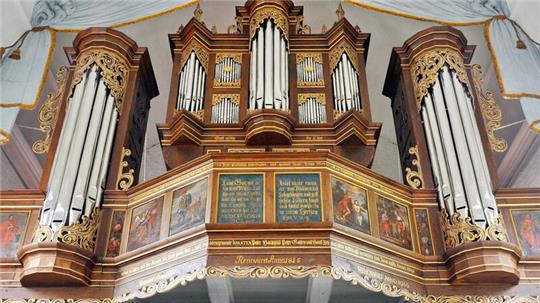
x,y
240,198
298,197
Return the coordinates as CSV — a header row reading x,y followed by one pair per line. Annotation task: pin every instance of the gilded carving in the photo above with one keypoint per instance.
x,y
458,230
114,72
317,58
200,51
413,177
319,98
237,58
301,28
491,112
82,234
337,51
280,19
235,28
199,114
125,179
218,98
425,69
49,111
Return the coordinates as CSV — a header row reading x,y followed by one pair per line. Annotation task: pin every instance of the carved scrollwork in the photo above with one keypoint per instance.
x,y
82,234
49,112
279,17
337,51
301,28
114,72
414,177
425,69
125,179
319,98
491,112
458,230
199,50
218,98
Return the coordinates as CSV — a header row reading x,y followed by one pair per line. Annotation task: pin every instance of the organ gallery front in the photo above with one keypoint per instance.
x,y
268,142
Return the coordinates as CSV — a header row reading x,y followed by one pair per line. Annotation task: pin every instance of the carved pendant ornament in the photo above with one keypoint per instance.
x,y
279,17
49,112
82,234
125,178
114,72
414,177
425,70
458,230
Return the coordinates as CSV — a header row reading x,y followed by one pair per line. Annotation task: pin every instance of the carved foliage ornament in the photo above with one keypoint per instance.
x,y
49,112
414,178
82,234
114,72
199,50
218,98
425,70
457,230
337,51
125,179
491,112
279,17
319,98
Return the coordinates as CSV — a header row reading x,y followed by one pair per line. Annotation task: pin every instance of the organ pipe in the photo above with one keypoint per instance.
x,y
192,82
225,110
345,85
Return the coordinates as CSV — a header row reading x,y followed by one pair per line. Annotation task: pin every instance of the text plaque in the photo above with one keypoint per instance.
x,y
298,197
240,198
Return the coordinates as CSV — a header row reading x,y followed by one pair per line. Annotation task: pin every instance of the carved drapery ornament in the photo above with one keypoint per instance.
x,y
199,50
319,98
425,70
114,72
458,230
279,17
491,112
414,177
125,178
337,51
82,234
49,112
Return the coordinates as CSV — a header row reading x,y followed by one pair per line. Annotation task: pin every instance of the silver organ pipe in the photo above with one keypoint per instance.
x,y
309,70
455,149
83,154
227,72
191,87
345,85
311,111
225,110
269,86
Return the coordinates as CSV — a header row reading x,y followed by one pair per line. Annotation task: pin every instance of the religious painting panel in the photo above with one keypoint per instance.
x,y
12,229
350,205
145,224
298,197
115,234
527,228
424,234
188,206
240,198
393,219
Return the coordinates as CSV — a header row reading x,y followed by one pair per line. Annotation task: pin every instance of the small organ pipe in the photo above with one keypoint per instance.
x,y
277,64
253,73
268,64
260,68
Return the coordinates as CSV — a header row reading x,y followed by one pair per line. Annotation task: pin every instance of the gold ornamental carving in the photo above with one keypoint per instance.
x,y
82,234
279,17
338,50
319,98
125,179
220,57
425,70
458,230
218,98
200,52
114,72
317,58
49,112
414,177
301,28
235,28
199,114
491,112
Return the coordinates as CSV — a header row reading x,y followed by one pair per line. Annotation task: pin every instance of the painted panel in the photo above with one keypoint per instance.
x,y
527,225
12,228
240,198
298,197
188,206
394,223
145,224
115,234
424,233
350,205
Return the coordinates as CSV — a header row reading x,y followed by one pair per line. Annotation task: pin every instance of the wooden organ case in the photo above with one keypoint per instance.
x,y
268,85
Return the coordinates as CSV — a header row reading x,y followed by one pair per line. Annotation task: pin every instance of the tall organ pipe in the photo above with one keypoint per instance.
x,y
191,85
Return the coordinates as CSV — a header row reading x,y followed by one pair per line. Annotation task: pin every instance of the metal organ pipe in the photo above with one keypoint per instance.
x,y
311,112
345,84
191,86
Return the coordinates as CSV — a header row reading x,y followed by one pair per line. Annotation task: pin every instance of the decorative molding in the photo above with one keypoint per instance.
x,y
199,50
425,69
82,234
337,51
301,28
218,98
414,178
491,112
49,111
279,17
114,72
319,98
125,179
457,230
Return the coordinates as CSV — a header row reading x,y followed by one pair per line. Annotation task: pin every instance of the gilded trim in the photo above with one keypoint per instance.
x,y
336,52
125,179
218,98
279,17
49,112
319,98
414,178
200,51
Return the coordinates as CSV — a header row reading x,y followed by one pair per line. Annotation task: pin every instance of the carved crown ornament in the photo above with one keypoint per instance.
x,y
114,71
82,234
279,17
337,51
425,69
200,52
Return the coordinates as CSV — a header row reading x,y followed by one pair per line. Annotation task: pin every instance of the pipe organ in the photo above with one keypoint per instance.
x,y
267,84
